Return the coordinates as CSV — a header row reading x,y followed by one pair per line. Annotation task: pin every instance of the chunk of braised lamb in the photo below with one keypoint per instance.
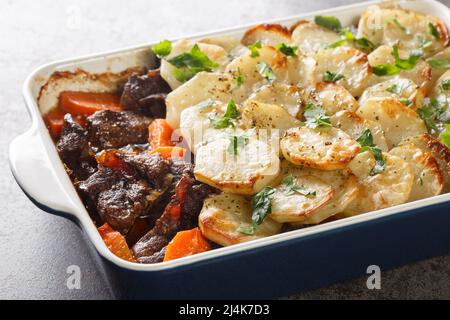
x,y
180,214
73,142
108,129
146,93
103,179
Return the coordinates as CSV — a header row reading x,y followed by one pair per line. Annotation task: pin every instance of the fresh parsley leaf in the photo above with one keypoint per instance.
x,y
266,72
399,64
403,28
254,49
329,22
236,142
445,136
434,31
332,77
190,63
445,85
366,142
239,78
347,36
250,230
406,102
227,119
395,89
433,111
289,188
162,49
439,63
262,205
290,51
315,117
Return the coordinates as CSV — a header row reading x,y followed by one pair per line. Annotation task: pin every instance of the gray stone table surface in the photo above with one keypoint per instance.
x,y
36,248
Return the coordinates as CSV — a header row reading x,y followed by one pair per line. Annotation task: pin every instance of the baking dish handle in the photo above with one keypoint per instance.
x,y
33,172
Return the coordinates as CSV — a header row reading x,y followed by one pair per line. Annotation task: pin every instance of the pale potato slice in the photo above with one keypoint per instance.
x,y
295,206
420,75
229,43
441,87
310,37
248,67
331,97
390,188
348,62
267,116
322,148
203,86
224,215
397,87
397,120
437,71
301,71
344,185
196,126
214,52
268,34
246,171
428,179
286,96
354,125
441,153
408,29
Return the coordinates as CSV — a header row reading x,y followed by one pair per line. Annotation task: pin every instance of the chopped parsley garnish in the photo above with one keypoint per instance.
x,y
332,77
227,119
316,117
254,49
262,207
406,102
399,64
395,89
290,188
402,27
433,111
445,85
236,142
239,78
445,136
329,22
190,63
162,49
290,51
366,142
266,72
439,63
434,31
362,44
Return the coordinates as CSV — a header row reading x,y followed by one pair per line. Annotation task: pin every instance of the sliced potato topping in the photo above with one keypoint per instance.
x,y
428,179
224,215
268,34
311,37
397,120
321,148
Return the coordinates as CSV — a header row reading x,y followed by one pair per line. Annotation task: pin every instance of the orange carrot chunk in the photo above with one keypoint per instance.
x,y
87,103
170,152
54,120
186,243
116,243
160,134
110,159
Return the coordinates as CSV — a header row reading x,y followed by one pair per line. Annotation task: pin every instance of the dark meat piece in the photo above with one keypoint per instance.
x,y
73,142
146,93
180,214
153,167
100,181
109,129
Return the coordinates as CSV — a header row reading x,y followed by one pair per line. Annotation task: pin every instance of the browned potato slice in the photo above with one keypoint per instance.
x,y
223,216
268,34
428,179
322,148
310,37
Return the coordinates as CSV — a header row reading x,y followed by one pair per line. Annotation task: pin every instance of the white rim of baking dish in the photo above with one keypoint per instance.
x,y
66,200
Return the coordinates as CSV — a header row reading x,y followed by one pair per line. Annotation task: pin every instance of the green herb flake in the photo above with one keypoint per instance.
x,y
262,207
162,49
439,63
445,85
406,102
395,89
432,112
445,136
290,188
366,142
434,31
254,49
250,230
316,117
236,142
266,72
226,120
190,63
239,78
332,77
290,51
399,64
329,22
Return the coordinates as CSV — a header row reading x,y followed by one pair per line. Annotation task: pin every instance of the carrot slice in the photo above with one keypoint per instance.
x,y
87,103
170,152
160,134
110,159
186,243
116,243
54,120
